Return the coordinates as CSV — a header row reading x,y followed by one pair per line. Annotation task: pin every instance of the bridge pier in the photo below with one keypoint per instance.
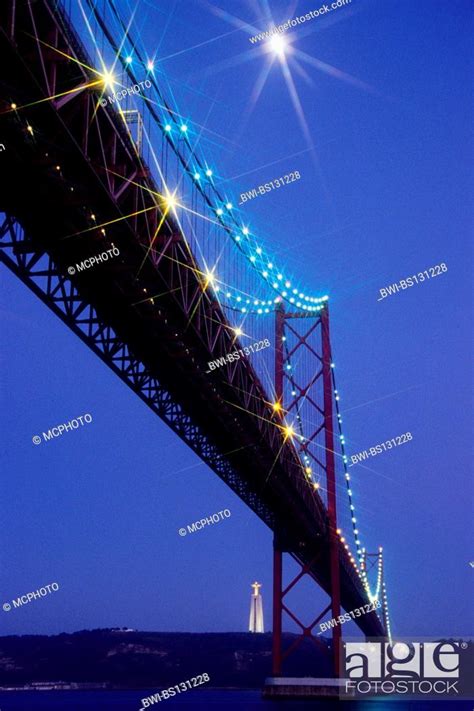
x,y
302,688
277,608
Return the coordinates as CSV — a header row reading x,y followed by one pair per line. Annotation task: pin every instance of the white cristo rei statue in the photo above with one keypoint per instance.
x,y
256,609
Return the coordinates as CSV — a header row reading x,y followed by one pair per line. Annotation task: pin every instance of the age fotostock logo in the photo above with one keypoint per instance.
x,y
405,668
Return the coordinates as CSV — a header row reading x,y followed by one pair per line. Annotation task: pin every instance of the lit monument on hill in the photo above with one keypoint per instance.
x,y
256,609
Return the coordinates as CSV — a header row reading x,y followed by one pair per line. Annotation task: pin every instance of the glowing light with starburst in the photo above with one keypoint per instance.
x,y
278,45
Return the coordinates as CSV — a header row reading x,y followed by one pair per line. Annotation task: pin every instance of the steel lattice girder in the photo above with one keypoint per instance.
x,y
40,274
89,156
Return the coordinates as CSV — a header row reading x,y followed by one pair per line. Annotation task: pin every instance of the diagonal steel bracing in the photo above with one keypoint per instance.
x,y
41,275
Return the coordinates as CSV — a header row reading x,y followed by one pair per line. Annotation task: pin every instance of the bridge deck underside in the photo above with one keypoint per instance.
x,y
222,415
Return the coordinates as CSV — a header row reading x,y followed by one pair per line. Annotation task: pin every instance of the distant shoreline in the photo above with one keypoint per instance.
x,y
119,660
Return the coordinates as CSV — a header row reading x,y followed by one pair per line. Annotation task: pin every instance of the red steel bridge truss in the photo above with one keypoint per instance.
x,y
78,184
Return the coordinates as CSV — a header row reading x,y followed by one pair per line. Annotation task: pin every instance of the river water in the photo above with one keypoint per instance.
x,y
201,700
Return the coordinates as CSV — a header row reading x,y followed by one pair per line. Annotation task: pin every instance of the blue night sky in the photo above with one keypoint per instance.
x,y
383,195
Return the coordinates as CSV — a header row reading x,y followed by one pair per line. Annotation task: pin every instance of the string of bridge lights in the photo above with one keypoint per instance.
x,y
376,595
360,550
379,574
222,210
262,264
309,474
248,305
264,267
347,477
387,615
360,569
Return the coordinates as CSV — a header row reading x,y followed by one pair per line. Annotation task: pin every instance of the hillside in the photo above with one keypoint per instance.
x,y
130,659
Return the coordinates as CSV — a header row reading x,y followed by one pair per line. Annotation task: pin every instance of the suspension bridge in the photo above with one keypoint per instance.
x,y
115,217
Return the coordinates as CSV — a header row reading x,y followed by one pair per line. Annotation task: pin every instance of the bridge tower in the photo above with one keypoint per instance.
x,y
298,334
